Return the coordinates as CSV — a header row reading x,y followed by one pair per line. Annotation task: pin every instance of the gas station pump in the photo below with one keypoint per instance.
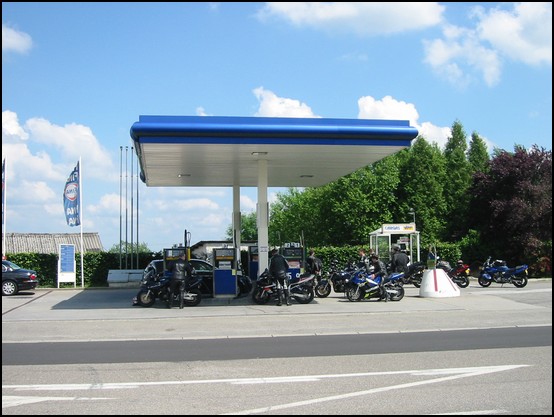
x,y
171,255
253,263
225,272
294,254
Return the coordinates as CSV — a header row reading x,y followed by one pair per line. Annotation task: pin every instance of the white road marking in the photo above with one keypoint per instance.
x,y
454,373
14,401
470,372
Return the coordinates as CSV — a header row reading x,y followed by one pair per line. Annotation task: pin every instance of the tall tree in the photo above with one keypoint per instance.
x,y
512,204
248,228
423,178
478,155
457,184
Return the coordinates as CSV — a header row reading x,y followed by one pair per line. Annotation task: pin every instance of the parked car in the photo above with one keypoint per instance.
x,y
15,278
206,271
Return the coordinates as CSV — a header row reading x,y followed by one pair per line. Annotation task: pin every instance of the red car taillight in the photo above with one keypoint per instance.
x,y
32,277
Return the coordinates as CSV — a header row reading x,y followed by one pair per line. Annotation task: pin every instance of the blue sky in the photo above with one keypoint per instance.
x,y
76,76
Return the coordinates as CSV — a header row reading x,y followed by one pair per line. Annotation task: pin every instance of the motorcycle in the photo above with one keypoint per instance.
x,y
500,273
458,275
156,286
300,288
361,286
335,280
415,274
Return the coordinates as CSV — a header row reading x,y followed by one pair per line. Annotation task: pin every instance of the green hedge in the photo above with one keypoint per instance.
x,y
95,271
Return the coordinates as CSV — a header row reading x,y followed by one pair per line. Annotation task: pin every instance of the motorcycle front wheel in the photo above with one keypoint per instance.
x,y
354,293
519,282
259,296
323,289
145,298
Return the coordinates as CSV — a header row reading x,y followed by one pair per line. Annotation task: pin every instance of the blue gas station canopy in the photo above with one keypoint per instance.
x,y
224,151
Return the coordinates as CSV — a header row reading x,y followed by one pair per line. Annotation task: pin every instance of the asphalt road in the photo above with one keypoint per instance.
x,y
488,351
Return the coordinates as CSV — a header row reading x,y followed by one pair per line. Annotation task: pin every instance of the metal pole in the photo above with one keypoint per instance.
x,y
137,211
120,195
132,248
126,200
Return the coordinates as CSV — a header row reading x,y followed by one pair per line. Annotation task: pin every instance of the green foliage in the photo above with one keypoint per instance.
x,y
424,176
512,204
130,248
459,180
96,266
248,228
478,156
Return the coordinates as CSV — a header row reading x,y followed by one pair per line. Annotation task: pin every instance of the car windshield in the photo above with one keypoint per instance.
x,y
11,265
201,266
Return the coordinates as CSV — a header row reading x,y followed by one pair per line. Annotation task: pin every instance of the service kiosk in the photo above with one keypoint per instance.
x,y
225,272
294,254
404,235
253,262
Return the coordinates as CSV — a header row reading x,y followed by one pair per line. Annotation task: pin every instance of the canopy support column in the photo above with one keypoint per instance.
x,y
262,217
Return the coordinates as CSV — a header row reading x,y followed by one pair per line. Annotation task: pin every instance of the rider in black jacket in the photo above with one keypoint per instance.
x,y
278,268
399,261
181,271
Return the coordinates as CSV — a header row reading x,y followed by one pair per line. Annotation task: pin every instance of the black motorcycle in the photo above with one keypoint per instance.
x,y
336,280
265,289
156,286
414,275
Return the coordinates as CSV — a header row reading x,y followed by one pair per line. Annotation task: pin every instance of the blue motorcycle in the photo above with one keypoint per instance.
x,y
363,285
500,273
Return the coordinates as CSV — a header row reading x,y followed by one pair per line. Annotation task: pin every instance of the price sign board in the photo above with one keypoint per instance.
x,y
66,264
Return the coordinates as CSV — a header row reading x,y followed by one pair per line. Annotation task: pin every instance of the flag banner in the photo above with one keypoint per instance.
x,y
3,186
71,199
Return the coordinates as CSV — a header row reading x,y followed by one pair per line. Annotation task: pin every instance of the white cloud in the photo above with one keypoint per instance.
x,y
247,204
109,203
11,129
460,55
273,106
194,204
392,109
367,18
73,141
523,34
15,41
37,192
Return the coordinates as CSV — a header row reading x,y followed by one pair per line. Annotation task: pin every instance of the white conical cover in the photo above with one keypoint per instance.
x,y
435,283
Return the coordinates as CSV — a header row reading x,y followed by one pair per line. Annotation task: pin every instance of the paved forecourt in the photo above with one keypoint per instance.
x,y
58,315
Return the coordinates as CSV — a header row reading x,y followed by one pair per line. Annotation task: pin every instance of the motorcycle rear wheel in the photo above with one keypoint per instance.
x,y
259,296
145,298
196,298
416,279
399,293
462,281
519,282
323,289
484,282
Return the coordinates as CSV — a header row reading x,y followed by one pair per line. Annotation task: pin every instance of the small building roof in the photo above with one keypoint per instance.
x,y
50,242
